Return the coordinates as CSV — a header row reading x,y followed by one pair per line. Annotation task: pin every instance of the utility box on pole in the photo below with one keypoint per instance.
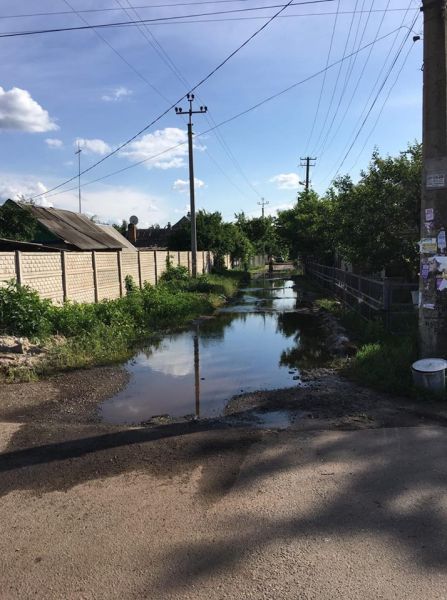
x,y
433,247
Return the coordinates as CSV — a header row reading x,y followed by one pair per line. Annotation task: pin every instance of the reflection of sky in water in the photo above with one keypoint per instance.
x,y
238,351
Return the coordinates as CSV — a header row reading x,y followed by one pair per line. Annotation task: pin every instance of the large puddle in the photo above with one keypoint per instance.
x,y
255,343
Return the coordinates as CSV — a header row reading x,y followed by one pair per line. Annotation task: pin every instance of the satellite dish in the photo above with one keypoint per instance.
x,y
133,219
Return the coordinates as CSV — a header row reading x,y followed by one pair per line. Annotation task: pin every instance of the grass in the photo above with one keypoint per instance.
x,y
383,361
110,331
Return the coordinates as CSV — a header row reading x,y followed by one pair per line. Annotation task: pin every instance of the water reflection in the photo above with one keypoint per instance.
x,y
246,347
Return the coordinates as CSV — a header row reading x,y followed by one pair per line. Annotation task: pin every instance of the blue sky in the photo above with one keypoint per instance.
x,y
58,88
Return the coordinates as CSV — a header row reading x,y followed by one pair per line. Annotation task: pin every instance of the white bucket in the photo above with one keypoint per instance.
x,y
429,374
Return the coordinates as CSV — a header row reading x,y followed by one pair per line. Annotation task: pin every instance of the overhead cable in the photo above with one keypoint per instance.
x,y
165,112
154,20
225,121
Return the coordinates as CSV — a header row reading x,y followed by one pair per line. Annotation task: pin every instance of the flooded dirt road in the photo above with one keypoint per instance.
x,y
251,344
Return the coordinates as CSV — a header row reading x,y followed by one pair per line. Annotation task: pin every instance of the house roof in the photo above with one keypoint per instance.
x,y
110,230
153,237
158,237
75,229
6,244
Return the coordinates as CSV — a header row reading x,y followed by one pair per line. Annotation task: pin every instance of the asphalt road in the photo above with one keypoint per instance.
x,y
89,512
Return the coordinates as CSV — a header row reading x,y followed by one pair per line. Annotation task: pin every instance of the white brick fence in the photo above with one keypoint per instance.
x,y
92,276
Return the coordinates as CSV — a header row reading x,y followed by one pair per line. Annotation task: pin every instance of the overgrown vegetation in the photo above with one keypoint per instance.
x,y
383,360
109,331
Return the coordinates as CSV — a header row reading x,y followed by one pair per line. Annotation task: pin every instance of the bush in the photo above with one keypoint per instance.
x,y
23,312
178,273
385,365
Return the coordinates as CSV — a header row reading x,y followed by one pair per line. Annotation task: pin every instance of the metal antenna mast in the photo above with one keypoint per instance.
x,y
78,152
190,112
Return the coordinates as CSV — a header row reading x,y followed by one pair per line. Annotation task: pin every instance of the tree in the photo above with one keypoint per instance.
x,y
306,228
261,232
121,228
17,223
377,219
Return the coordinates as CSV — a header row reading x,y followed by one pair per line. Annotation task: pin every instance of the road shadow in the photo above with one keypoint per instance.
x,y
393,486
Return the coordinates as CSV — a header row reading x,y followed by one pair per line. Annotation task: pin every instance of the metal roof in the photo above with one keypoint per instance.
x,y
75,229
110,230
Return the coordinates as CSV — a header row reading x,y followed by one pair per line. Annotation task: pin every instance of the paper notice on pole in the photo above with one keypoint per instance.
x,y
425,270
435,180
428,245
429,214
442,241
429,306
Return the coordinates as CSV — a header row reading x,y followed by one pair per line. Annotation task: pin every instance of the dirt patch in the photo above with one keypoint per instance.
x,y
68,398
329,401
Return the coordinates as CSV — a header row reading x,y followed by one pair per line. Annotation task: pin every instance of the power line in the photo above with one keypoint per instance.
x,y
349,71
410,48
324,77
158,48
114,9
224,122
349,104
377,81
201,82
120,56
336,81
399,52
154,20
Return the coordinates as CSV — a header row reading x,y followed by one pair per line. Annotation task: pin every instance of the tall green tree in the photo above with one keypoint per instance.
x,y
306,228
377,219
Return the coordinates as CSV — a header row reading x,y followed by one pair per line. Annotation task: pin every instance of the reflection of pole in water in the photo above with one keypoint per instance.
x,y
197,371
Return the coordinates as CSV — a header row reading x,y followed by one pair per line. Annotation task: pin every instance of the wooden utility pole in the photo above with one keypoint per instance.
x,y
433,270
190,112
262,204
307,162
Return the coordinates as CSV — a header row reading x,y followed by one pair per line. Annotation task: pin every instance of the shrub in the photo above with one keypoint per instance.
x,y
23,312
178,273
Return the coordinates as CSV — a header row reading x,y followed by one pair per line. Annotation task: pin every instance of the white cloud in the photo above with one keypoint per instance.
x,y
54,143
117,94
182,185
15,187
286,181
168,145
18,111
110,204
94,146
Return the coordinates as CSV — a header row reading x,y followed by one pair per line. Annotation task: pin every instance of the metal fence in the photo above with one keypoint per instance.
x,y
388,298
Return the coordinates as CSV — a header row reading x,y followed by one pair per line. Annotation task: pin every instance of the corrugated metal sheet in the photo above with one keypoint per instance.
x,y
75,229
110,230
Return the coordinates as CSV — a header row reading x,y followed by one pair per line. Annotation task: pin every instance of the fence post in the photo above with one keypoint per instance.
x,y
120,271
140,277
155,267
95,276
18,265
64,275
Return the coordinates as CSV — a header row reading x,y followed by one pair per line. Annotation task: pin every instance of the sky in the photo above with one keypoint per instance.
x,y
96,88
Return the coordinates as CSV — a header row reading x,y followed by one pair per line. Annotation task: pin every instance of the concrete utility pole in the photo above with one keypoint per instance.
x,y
307,162
78,152
262,204
190,112
433,270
